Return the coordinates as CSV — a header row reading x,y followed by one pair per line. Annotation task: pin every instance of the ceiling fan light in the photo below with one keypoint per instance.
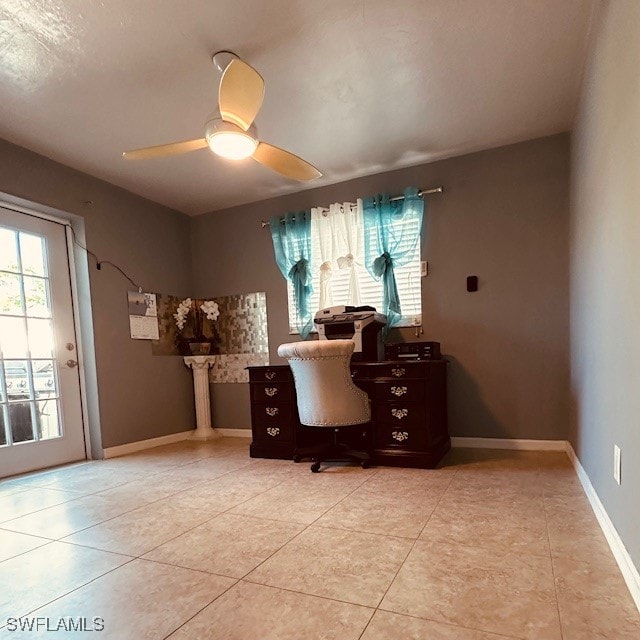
x,y
229,140
232,145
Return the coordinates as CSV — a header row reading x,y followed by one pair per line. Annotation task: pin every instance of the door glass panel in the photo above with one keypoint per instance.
x,y
3,433
35,293
44,380
8,250
10,294
32,254
28,374
20,421
13,338
48,423
40,338
17,378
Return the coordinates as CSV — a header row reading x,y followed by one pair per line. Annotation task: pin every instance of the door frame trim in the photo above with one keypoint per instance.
x,y
64,219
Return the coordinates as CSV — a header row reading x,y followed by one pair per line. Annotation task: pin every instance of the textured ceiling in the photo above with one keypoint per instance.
x,y
354,87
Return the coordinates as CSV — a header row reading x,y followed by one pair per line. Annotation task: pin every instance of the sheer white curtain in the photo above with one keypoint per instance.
x,y
350,235
323,251
337,240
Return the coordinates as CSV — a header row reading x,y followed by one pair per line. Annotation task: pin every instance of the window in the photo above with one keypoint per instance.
x,y
407,279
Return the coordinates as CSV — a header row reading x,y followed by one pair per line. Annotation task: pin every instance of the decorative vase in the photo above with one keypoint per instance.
x,y
200,348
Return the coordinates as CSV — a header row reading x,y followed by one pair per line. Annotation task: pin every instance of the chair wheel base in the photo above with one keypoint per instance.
x,y
315,467
297,458
365,464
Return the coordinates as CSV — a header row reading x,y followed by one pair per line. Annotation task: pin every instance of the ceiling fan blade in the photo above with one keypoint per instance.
x,y
241,94
162,150
288,164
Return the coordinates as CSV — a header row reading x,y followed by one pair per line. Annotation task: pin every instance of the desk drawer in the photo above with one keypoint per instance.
x,y
272,413
412,438
405,390
272,392
269,374
275,432
399,414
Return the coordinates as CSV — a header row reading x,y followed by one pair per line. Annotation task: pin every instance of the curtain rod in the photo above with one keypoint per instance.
x,y
265,223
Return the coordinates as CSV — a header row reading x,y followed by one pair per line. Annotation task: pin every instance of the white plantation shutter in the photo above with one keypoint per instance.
x,y
407,278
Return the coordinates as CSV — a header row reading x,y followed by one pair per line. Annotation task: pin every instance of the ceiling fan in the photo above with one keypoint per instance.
x,y
230,132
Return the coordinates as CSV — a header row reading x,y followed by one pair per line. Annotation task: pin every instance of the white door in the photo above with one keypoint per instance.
x,y
40,409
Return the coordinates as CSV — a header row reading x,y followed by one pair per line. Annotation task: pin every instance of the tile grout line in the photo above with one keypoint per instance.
x,y
420,533
306,526
243,579
63,595
377,608
553,569
197,613
97,493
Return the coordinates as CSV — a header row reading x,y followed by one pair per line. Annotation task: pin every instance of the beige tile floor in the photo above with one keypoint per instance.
x,y
199,541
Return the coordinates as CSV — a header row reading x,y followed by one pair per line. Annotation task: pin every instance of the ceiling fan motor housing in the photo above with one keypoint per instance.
x,y
229,140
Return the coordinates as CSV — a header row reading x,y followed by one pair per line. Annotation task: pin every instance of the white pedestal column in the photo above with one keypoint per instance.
x,y
200,366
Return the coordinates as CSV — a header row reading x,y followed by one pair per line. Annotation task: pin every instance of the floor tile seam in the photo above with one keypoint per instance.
x,y
475,547
366,626
228,509
450,624
4,522
202,609
45,541
317,525
311,595
166,563
339,501
95,524
247,464
305,528
190,529
411,548
46,604
139,556
32,474
553,572
172,495
439,500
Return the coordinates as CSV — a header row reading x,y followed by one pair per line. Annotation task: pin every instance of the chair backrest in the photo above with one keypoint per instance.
x,y
326,395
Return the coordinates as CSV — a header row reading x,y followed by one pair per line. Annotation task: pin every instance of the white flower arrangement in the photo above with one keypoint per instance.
x,y
182,312
208,307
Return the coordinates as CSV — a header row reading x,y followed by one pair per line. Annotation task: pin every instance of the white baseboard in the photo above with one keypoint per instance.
x,y
620,553
235,433
508,443
140,445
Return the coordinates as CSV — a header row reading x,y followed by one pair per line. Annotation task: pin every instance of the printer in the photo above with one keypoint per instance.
x,y
363,325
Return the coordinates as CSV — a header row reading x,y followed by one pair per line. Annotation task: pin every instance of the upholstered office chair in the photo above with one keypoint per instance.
x,y
327,398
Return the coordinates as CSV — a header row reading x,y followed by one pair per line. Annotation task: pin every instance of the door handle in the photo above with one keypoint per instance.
x,y
72,363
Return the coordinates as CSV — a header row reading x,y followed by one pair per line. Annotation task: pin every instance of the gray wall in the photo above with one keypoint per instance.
x,y
140,396
503,217
605,267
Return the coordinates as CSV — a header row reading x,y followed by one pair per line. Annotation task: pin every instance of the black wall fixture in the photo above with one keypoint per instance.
x,y
472,283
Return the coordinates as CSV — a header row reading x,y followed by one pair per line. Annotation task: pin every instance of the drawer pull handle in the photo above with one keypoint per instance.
x,y
273,431
400,436
398,391
269,375
271,391
272,411
399,413
398,372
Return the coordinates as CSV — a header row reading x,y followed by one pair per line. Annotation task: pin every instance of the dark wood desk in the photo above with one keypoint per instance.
x,y
408,413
